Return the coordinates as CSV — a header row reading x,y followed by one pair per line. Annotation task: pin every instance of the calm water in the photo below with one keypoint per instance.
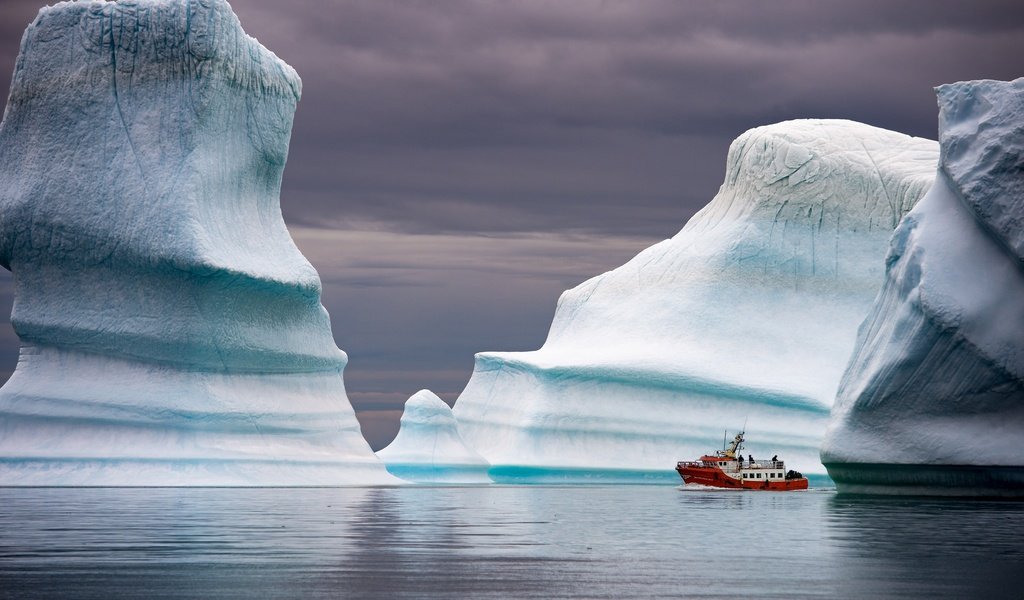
x,y
502,541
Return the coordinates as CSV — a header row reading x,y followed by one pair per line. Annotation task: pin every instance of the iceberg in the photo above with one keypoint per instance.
x,y
935,387
428,447
748,314
171,332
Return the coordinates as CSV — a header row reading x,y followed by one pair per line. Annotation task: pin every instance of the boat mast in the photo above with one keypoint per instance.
x,y
735,445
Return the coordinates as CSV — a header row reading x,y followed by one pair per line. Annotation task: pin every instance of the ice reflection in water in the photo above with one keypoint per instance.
x,y
901,547
586,541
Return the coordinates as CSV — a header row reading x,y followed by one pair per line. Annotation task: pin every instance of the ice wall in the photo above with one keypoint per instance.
x,y
749,313
172,333
933,398
428,447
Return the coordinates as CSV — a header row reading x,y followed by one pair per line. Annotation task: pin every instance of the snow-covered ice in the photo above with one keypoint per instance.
x,y
429,448
933,398
748,314
172,333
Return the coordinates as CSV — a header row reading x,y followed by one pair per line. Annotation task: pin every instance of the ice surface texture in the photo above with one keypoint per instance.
x,y
935,387
429,447
172,333
749,313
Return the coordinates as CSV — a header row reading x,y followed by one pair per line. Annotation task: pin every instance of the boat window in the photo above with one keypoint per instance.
x,y
758,475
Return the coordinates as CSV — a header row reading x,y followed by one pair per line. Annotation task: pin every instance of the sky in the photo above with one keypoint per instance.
x,y
456,164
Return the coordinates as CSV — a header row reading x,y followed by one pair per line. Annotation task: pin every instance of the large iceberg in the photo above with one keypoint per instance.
x,y
428,447
933,398
172,333
748,314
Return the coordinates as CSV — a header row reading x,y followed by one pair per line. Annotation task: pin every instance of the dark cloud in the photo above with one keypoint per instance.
x,y
527,116
478,135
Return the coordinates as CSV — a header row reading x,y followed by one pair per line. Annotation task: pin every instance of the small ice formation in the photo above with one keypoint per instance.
x,y
428,447
172,333
932,401
748,314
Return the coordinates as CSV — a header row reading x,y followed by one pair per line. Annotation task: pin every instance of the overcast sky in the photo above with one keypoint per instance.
x,y
456,164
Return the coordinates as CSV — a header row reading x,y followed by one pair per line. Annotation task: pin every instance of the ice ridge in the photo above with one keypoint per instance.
x,y
172,333
748,313
936,380
428,447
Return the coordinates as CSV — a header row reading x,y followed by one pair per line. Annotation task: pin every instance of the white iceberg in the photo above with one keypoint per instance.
x,y
172,333
748,314
428,447
933,398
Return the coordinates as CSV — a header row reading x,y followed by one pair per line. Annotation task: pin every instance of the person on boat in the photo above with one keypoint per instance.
x,y
750,457
775,458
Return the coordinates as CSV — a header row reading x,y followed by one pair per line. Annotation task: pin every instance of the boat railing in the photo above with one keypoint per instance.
x,y
731,465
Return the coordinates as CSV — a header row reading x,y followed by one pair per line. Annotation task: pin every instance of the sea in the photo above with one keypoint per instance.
x,y
503,541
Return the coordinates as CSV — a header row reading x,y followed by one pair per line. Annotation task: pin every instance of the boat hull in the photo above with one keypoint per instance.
x,y
712,477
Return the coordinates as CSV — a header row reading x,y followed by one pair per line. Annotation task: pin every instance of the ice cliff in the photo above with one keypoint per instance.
x,y
429,447
172,333
748,314
933,398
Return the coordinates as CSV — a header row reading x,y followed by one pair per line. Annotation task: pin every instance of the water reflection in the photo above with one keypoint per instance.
x,y
919,547
500,541
420,542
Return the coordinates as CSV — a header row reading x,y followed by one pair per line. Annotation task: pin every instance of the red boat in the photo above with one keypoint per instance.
x,y
727,469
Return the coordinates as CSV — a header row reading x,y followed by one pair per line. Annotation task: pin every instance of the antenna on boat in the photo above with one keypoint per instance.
x,y
743,432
